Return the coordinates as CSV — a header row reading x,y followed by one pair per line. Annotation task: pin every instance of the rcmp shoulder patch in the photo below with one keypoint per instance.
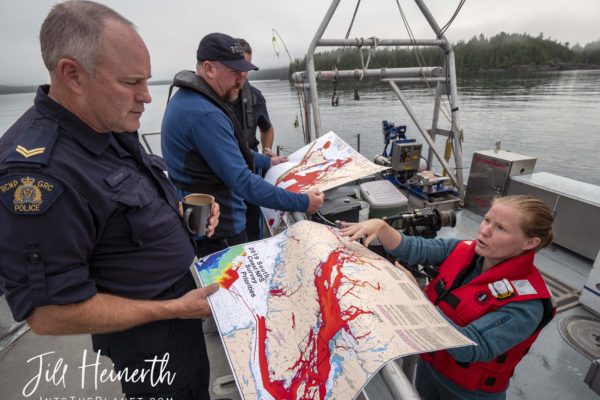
x,y
29,194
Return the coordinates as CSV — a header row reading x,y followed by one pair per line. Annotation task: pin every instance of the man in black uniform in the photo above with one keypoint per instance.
x,y
91,239
250,108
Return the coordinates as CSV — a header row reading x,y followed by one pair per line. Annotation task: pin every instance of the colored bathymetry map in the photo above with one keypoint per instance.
x,y
308,315
325,163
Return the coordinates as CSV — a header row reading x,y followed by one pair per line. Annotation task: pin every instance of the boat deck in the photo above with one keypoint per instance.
x,y
552,369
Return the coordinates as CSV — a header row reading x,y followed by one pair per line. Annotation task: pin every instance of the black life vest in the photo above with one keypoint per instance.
x,y
204,180
249,123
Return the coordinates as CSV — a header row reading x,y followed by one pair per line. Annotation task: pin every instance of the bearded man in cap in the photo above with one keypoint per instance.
x,y
205,149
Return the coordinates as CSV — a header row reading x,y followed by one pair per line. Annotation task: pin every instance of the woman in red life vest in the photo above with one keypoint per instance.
x,y
488,288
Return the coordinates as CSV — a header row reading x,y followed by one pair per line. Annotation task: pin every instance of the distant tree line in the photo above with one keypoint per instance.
x,y
266,74
503,51
4,89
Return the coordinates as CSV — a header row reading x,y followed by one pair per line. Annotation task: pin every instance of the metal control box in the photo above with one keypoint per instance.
x,y
406,156
490,175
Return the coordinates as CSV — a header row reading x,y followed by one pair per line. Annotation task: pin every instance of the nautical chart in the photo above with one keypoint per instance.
x,y
323,164
307,314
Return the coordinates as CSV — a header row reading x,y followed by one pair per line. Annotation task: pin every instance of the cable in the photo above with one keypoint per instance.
x,y
446,112
445,27
301,98
421,62
335,100
328,222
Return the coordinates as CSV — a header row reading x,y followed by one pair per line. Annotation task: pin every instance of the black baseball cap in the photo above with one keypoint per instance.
x,y
226,50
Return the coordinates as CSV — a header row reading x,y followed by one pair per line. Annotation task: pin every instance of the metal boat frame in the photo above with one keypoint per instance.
x,y
398,380
444,77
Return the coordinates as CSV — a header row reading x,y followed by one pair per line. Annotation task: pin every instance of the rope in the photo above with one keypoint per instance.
x,y
335,100
299,93
445,27
421,61
305,129
370,53
347,33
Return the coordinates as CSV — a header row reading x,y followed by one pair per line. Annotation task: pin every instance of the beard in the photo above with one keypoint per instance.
x,y
233,94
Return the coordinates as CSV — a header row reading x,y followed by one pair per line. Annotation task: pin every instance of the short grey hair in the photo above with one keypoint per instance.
x,y
74,29
244,45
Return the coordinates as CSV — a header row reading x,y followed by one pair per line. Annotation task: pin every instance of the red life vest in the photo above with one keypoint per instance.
x,y
515,279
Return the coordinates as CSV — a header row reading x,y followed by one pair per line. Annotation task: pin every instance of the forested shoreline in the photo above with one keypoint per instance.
x,y
502,52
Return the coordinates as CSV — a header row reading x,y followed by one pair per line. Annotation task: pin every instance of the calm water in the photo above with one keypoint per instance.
x,y
552,116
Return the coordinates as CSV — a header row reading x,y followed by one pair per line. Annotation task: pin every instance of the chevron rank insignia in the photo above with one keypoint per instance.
x,y
34,145
29,153
29,194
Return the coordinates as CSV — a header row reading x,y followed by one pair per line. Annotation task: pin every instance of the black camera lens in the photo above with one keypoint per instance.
x,y
446,218
424,222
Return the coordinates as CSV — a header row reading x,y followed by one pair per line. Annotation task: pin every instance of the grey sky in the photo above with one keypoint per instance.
x,y
172,28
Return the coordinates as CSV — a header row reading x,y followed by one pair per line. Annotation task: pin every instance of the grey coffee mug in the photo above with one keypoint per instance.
x,y
196,212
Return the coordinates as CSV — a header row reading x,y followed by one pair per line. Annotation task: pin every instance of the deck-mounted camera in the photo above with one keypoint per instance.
x,y
424,222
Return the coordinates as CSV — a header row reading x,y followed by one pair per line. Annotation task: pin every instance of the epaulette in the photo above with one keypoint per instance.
x,y
35,144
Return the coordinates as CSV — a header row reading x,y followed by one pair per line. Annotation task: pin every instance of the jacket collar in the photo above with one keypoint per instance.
x,y
71,125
